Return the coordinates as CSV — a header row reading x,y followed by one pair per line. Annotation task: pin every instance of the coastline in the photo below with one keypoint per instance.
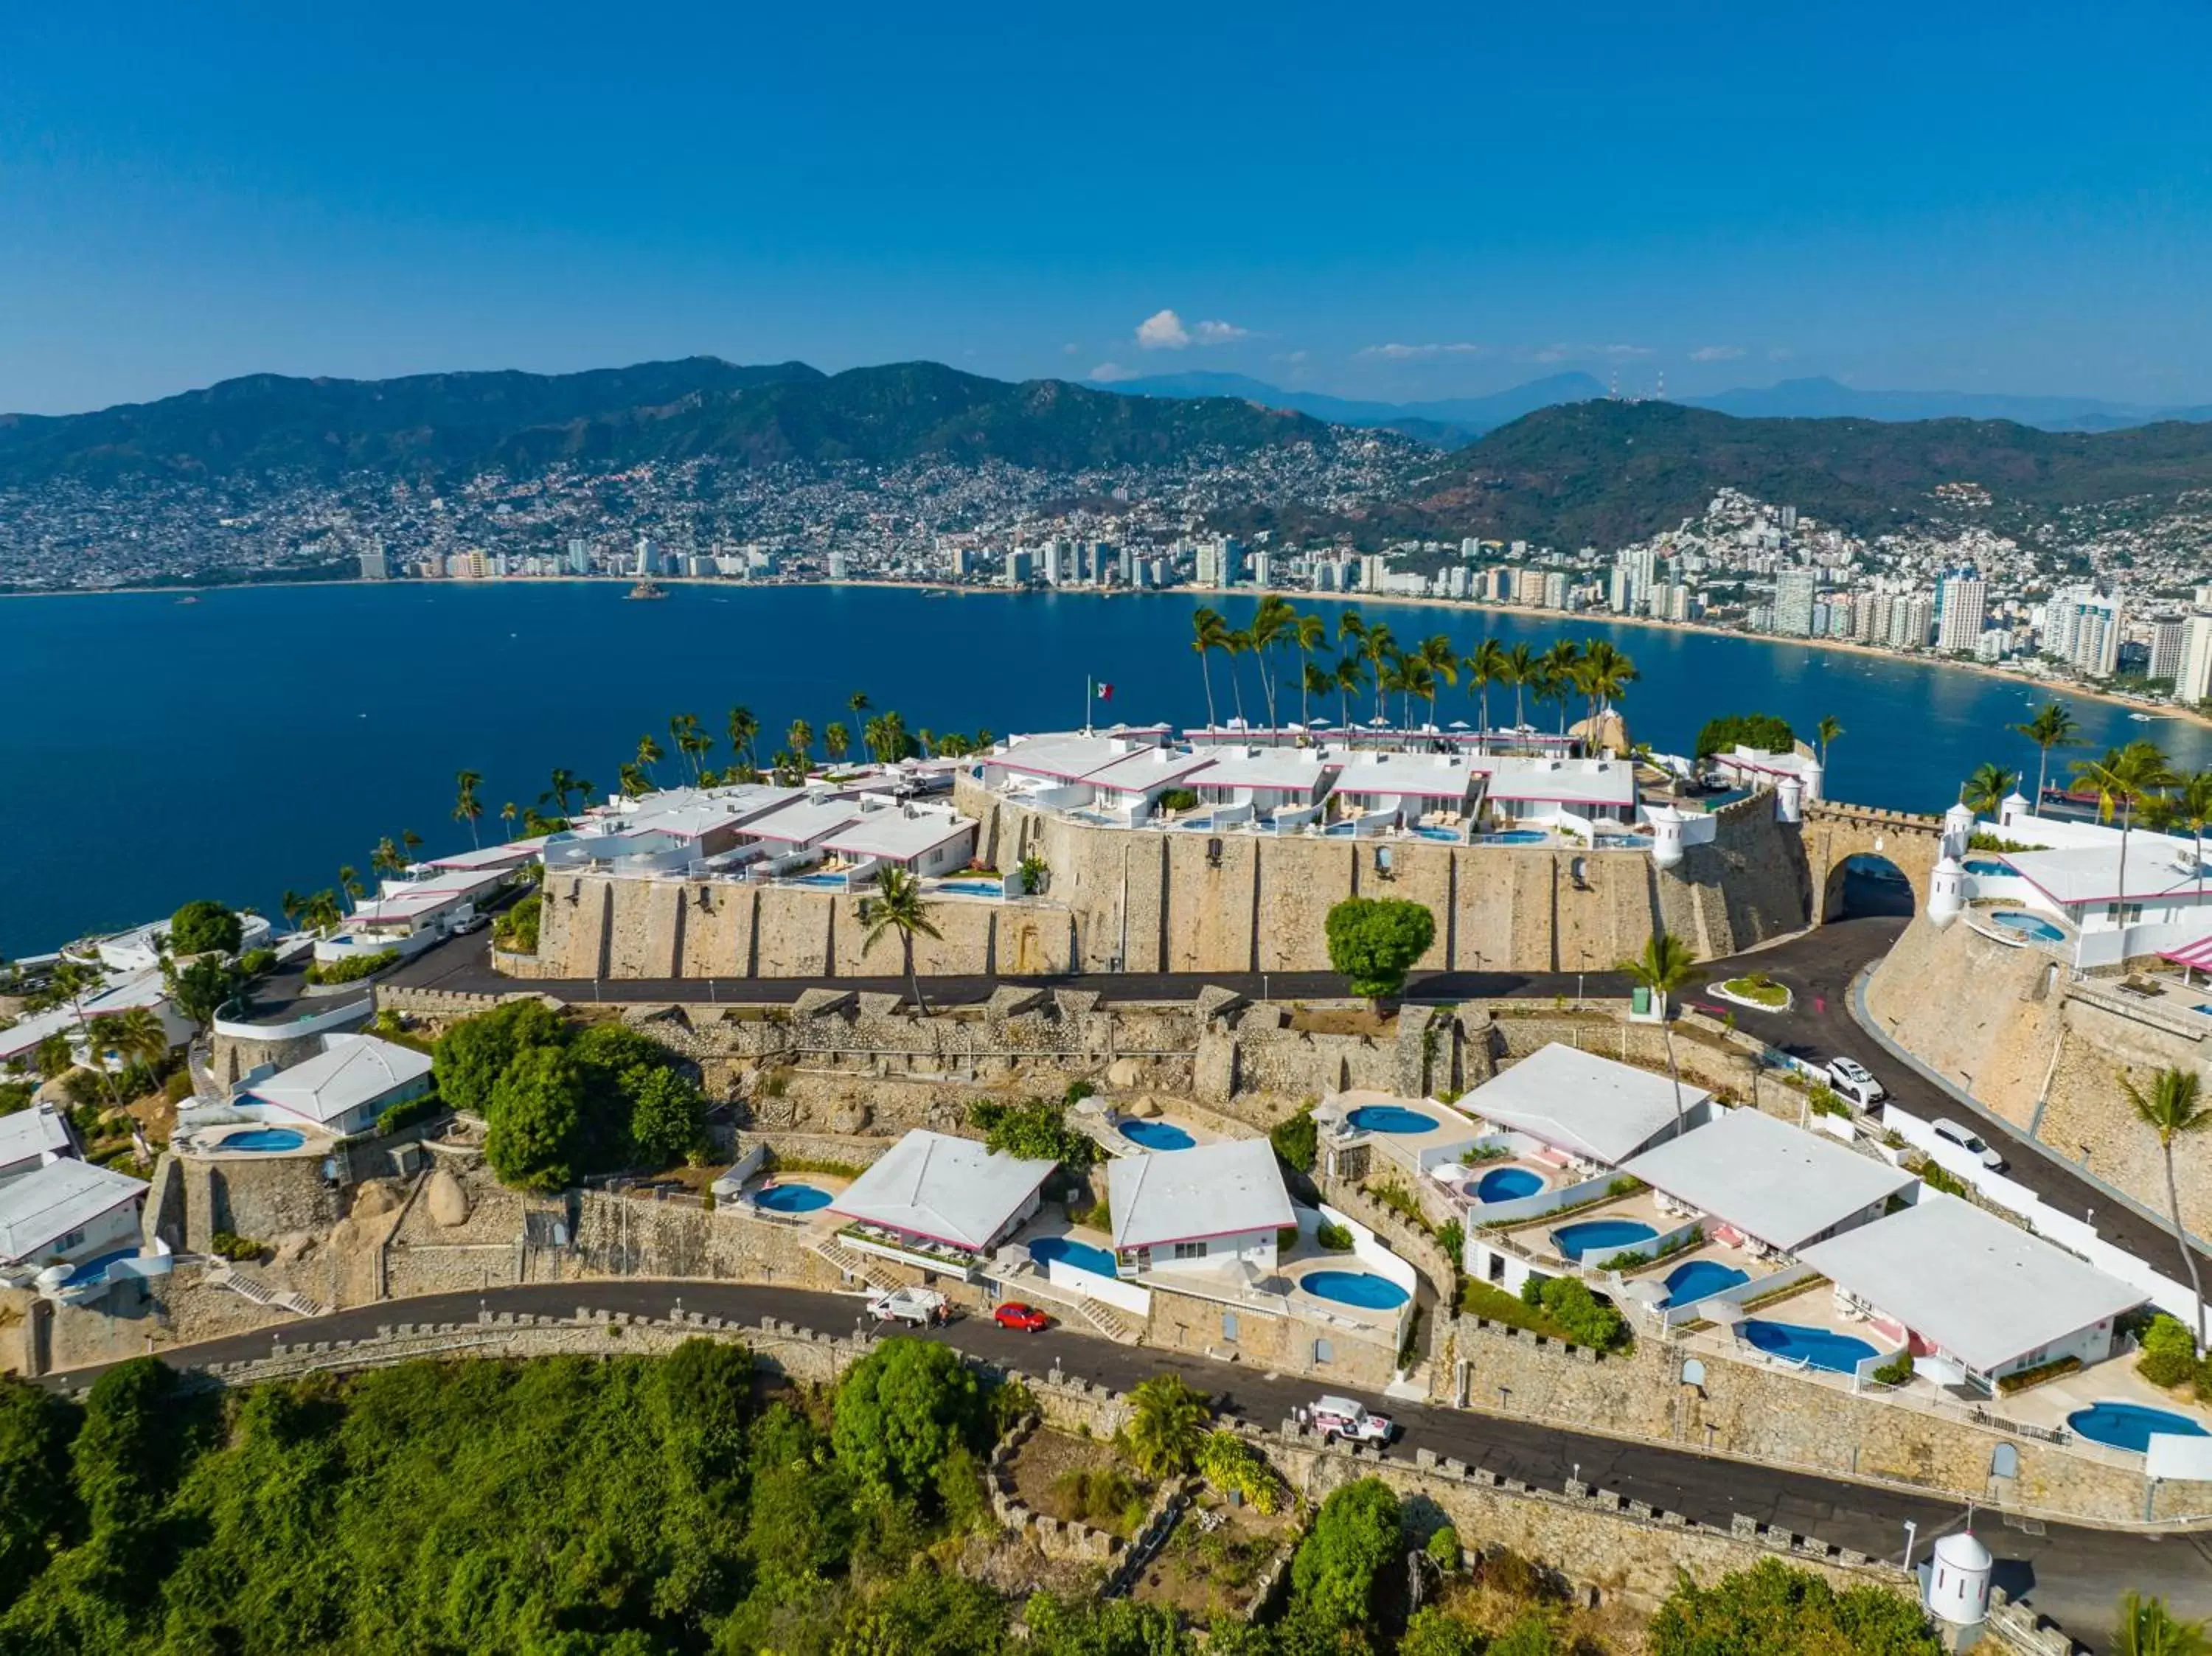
x,y
2155,711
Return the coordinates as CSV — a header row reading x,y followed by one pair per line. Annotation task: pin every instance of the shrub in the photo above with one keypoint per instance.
x,y
1035,1129
1442,1549
15,1095
1764,732
2020,1379
179,1087
2169,1352
1333,1237
202,926
398,1117
517,930
1296,1140
229,1244
1179,799
1507,1572
1373,942
1103,1497
1229,1463
1584,1318
1355,1537
1774,1606
1896,1371
352,969
1936,1177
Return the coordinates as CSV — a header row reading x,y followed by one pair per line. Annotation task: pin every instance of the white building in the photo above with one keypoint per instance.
x,y
1965,611
343,1088
917,839
2165,903
1759,1179
1212,1207
1410,785
933,1188
1590,1108
1559,792
66,1211
2192,679
1119,773
1975,1297
29,1138
1268,780
1793,602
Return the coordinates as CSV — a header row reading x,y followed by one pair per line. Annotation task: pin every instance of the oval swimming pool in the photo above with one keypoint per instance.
x,y
1817,1348
1357,1288
1390,1117
1157,1135
1507,1184
1597,1235
2130,1425
263,1138
1077,1256
1701,1279
792,1199
2028,925
1513,837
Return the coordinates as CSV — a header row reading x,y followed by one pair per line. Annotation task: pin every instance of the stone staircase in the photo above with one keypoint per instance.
x,y
223,1274
1116,1324
1021,1280
854,1263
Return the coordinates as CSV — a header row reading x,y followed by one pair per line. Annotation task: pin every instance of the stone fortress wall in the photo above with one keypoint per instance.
x,y
1167,902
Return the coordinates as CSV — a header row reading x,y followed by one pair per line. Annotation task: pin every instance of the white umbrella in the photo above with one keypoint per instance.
x,y
1459,725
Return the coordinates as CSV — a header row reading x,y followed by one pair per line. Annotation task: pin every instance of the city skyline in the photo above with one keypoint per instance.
x,y
1446,206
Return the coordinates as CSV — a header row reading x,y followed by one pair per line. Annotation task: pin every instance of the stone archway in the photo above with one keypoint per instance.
x,y
1834,833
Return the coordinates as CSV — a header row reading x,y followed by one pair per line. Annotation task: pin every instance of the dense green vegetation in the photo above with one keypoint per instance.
x,y
1771,1607
563,1100
353,968
202,924
1035,1129
1767,732
517,930
1373,942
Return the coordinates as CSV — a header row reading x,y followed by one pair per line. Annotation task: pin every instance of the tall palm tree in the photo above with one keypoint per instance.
x,y
1417,678
1486,664
350,882
2192,806
690,741
1309,633
836,740
1167,1420
506,819
1520,671
898,906
2173,1109
1348,675
743,728
466,806
631,779
801,737
1233,645
1442,661
562,782
384,857
1314,679
649,754
857,703
1985,789
1270,629
1560,662
2052,727
2147,1628
323,911
1662,969
139,1036
410,843
1208,632
1826,732
2122,781
1381,649
292,906
101,1038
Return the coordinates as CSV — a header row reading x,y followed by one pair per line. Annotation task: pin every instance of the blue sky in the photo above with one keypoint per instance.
x,y
1381,201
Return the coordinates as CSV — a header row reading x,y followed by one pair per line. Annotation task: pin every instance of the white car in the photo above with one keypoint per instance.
x,y
1850,1078
1335,1417
1971,1142
915,1307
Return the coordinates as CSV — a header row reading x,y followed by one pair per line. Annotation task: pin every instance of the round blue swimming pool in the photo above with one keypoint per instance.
x,y
1357,1288
1157,1135
792,1199
1986,865
1077,1256
263,1138
1600,1236
1452,834
1390,1117
2028,925
1701,1279
1507,1184
2130,1425
1817,1348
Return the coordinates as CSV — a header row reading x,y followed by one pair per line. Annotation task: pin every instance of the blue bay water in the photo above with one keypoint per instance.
x,y
258,739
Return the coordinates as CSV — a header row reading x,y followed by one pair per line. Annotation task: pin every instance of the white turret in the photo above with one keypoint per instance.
x,y
1666,836
1957,830
2014,806
1959,1580
1811,773
1788,800
1947,892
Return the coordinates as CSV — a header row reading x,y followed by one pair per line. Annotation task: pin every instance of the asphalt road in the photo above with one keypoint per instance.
x,y
1818,968
2073,1576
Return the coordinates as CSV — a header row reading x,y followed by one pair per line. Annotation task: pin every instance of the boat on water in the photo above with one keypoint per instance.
x,y
189,597
646,589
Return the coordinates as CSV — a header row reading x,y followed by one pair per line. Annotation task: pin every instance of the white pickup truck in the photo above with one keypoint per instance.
x,y
1337,1417
918,1306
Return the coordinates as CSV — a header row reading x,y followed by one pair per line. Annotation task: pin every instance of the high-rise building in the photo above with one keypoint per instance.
x,y
2082,627
1263,570
1616,590
1962,608
1793,602
1555,590
2192,679
1019,564
1373,566
836,566
579,555
2165,647
374,566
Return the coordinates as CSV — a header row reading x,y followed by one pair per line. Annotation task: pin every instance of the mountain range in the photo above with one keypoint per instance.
x,y
1452,423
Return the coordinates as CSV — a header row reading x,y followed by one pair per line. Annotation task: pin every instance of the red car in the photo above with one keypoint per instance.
x,y
1014,1314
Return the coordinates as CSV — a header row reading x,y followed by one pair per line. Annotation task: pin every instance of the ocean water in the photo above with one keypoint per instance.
x,y
155,751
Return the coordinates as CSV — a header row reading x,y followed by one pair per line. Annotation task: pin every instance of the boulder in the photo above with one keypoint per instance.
x,y
1607,730
445,1201
1124,1073
852,1119
292,1246
378,1196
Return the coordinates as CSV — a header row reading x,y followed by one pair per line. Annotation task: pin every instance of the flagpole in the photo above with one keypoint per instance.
x,y
1089,689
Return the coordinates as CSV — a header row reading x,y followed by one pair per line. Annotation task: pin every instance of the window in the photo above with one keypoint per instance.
x,y
75,1239
1229,1326
1323,1352
2124,913
1190,1250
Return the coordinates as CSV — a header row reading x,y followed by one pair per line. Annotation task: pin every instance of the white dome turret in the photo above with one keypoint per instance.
x,y
1947,892
2014,806
1666,836
1812,773
1788,800
1959,1580
1957,829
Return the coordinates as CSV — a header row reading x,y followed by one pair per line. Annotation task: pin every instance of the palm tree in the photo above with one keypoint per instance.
x,y
1662,969
1985,789
1167,1420
1314,679
1270,625
384,857
350,882
1379,648
801,737
857,703
564,782
1233,645
2147,1628
2192,805
139,1036
2051,727
2123,779
1442,661
506,819
465,807
1559,664
1309,633
1520,670
292,906
1485,666
1208,632
1417,678
649,754
323,913
743,727
1827,731
2173,1109
836,739
632,781
103,1037
1348,675
690,741
410,843
898,906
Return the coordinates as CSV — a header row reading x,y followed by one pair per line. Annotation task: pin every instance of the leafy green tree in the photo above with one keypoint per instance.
x,y
1443,1548
535,1116
128,1452
1586,1319
1435,1632
667,1114
1774,1607
2147,1628
470,1057
203,988
1035,1130
1167,1424
1297,1139
2173,1108
2122,780
925,1612
1073,1626
1662,969
1355,1535
467,808
204,924
39,1509
1761,732
1373,942
1986,790
900,1411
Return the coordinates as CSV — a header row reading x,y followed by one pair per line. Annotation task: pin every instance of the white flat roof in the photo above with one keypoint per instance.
x,y
1431,775
1264,768
803,822
54,1200
34,1132
351,1070
1581,1103
512,854
1071,755
1147,768
949,1190
2159,865
1792,763
1767,1178
1226,1189
132,989
897,834
1566,781
1984,1290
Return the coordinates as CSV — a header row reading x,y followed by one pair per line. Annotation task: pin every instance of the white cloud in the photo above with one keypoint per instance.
x,y
1163,330
1564,352
1107,373
1397,353
1290,357
1716,353
1779,354
1071,348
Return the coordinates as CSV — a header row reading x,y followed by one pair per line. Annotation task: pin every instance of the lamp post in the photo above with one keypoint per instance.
x,y
1912,1529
